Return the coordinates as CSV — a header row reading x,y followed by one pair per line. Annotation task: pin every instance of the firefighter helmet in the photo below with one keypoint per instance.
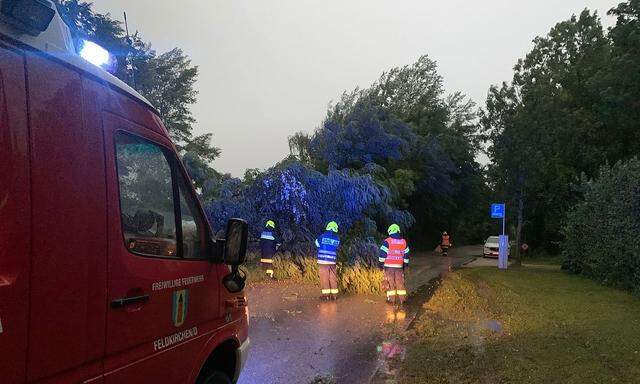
x,y
393,228
270,224
332,226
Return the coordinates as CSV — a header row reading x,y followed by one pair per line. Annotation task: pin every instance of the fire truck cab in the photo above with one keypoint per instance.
x,y
109,272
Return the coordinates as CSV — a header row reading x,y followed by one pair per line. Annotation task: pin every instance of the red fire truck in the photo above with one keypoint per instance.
x,y
109,272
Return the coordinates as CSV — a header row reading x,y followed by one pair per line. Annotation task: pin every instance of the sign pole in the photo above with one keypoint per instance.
x,y
504,218
499,211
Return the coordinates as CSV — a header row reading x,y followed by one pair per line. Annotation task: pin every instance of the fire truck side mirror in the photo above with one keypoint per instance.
x,y
235,244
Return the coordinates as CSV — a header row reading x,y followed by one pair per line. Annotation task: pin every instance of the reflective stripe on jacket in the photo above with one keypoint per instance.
x,y
394,252
327,245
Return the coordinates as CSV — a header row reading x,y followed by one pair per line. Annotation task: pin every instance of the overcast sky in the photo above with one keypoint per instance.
x,y
269,68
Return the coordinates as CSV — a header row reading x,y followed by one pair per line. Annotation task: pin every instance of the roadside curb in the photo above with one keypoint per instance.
x,y
471,260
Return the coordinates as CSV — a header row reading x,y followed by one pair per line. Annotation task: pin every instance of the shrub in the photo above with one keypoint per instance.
x,y
602,232
360,279
300,269
254,272
286,269
252,267
357,278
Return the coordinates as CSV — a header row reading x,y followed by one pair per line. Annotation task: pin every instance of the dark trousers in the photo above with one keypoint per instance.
x,y
328,279
394,278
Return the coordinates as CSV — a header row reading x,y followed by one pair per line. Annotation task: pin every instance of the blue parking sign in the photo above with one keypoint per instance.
x,y
497,211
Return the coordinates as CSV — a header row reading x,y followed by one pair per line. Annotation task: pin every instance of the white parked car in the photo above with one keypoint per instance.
x,y
491,247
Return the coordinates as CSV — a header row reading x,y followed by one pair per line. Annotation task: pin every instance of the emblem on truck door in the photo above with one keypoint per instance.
x,y
180,305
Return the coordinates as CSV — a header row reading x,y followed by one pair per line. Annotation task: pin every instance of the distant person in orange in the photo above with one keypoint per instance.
x,y
445,243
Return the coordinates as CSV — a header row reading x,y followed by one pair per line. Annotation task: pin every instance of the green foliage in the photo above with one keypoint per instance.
x,y
418,142
570,108
360,278
167,80
619,104
299,144
296,268
253,269
602,232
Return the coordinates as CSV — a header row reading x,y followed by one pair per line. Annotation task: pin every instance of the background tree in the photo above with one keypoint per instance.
x,y
619,105
299,149
167,80
543,130
423,144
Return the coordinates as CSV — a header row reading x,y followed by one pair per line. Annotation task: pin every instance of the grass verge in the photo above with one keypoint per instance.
x,y
524,325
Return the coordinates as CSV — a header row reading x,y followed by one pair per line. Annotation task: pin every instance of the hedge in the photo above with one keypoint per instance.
x,y
602,232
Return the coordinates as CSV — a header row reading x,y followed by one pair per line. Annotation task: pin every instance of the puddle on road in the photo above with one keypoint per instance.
x,y
292,312
493,325
395,316
314,337
392,353
291,297
392,350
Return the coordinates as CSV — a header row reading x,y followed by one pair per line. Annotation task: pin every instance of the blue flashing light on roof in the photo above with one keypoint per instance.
x,y
97,55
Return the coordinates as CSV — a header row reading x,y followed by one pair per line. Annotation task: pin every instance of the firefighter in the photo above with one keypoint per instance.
x,y
327,245
445,244
268,246
394,258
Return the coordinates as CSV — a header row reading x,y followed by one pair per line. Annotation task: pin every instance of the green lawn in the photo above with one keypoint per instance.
x,y
524,326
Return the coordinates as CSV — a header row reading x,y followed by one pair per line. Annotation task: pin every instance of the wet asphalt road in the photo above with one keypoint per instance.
x,y
295,336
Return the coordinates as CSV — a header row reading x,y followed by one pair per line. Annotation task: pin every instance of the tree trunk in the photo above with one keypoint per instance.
x,y
518,260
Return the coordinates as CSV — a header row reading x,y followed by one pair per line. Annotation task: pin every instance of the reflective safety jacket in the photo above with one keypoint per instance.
x,y
446,241
394,252
268,243
327,245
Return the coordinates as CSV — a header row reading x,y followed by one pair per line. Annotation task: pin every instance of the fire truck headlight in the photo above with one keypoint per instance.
x,y
96,55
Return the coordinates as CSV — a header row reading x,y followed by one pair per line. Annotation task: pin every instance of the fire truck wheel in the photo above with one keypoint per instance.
x,y
215,377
